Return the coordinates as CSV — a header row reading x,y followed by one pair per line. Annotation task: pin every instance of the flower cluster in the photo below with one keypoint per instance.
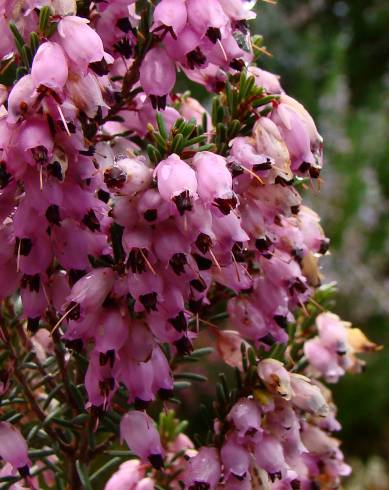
x,y
131,218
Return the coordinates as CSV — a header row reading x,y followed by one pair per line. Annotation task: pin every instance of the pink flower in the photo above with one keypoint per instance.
x,y
269,455
203,470
275,377
126,477
171,13
48,56
176,182
157,76
246,417
142,437
80,42
13,448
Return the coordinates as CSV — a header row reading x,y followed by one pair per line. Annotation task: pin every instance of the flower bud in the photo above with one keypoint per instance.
x,y
50,55
13,448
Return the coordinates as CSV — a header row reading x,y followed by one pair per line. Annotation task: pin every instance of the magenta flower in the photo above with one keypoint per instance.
x,y
176,182
13,448
141,436
42,67
157,76
203,470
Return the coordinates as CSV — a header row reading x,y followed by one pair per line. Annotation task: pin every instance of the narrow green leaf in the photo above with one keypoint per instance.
x,y
44,16
191,376
161,126
108,465
83,475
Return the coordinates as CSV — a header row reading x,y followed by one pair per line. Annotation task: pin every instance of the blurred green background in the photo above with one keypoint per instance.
x,y
333,56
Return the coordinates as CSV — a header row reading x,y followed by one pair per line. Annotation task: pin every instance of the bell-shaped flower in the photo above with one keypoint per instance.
x,y
170,13
275,377
269,455
91,290
203,470
207,18
157,76
229,343
13,448
246,417
21,98
81,43
142,437
127,476
307,396
176,182
235,459
49,67
214,181
128,176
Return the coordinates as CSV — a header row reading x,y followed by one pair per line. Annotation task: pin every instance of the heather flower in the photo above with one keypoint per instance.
x,y
139,432
42,69
176,182
157,76
203,470
13,448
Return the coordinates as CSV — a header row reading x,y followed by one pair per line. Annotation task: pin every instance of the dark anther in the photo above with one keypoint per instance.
x,y
280,180
239,252
103,195
165,393
314,172
55,170
203,242
195,305
33,324
136,260
200,486
263,243
295,484
89,152
40,154
237,64
179,322
150,215
226,205
75,345
195,58
324,246
115,177
156,461
33,283
178,263
124,24
5,177
140,404
75,312
262,166
214,34
304,167
268,339
281,321
202,262
75,275
24,471
235,169
106,357
295,209
52,215
183,345
158,102
123,46
199,284
149,301
25,245
183,202
90,220
100,67
298,254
